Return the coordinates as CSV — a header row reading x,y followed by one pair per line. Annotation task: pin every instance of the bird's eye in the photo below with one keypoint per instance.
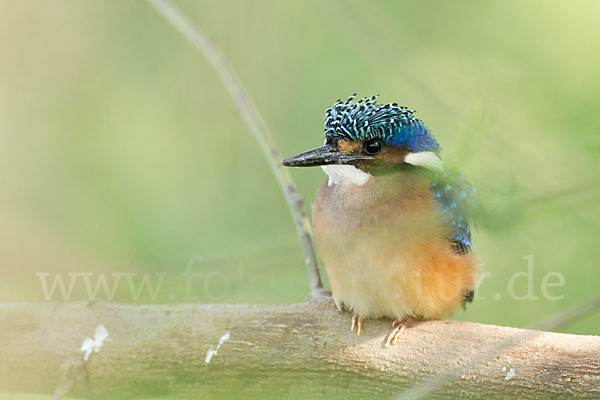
x,y
373,146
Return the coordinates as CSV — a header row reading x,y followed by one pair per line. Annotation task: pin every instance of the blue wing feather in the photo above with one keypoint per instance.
x,y
458,200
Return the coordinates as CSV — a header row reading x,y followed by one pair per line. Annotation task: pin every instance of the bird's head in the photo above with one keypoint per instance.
x,y
365,138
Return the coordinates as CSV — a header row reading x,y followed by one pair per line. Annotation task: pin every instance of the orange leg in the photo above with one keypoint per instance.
x,y
356,321
398,330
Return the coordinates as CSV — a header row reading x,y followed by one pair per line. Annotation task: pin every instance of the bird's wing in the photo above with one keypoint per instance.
x,y
458,200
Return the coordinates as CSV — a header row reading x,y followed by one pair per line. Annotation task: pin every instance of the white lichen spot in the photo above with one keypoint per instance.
x,y
503,369
213,351
509,359
510,374
90,345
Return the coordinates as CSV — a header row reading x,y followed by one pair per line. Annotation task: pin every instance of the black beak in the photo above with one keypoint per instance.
x,y
324,155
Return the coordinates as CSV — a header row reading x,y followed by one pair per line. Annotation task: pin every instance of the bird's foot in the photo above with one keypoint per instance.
x,y
399,328
340,307
356,321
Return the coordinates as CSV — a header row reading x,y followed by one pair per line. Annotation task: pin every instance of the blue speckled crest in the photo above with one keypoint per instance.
x,y
365,120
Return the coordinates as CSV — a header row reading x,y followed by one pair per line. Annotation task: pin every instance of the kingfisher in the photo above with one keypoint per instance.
x,y
392,224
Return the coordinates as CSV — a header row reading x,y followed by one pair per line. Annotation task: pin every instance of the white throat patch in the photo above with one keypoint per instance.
x,y
347,174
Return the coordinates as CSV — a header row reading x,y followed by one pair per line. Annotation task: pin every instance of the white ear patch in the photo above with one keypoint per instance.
x,y
427,159
347,174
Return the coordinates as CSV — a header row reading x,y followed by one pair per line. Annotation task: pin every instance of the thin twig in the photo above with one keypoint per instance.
x,y
255,122
564,318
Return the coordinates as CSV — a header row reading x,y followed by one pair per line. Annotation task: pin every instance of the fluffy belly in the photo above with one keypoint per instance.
x,y
366,284
426,281
389,264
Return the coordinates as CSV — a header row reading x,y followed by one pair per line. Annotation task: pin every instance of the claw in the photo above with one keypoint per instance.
x,y
397,331
356,321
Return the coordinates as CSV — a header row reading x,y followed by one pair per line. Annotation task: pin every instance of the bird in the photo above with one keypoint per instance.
x,y
392,224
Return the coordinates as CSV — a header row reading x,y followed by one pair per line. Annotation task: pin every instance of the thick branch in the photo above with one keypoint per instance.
x,y
305,348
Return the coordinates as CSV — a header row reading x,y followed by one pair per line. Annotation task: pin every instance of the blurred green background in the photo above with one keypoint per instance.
x,y
121,151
